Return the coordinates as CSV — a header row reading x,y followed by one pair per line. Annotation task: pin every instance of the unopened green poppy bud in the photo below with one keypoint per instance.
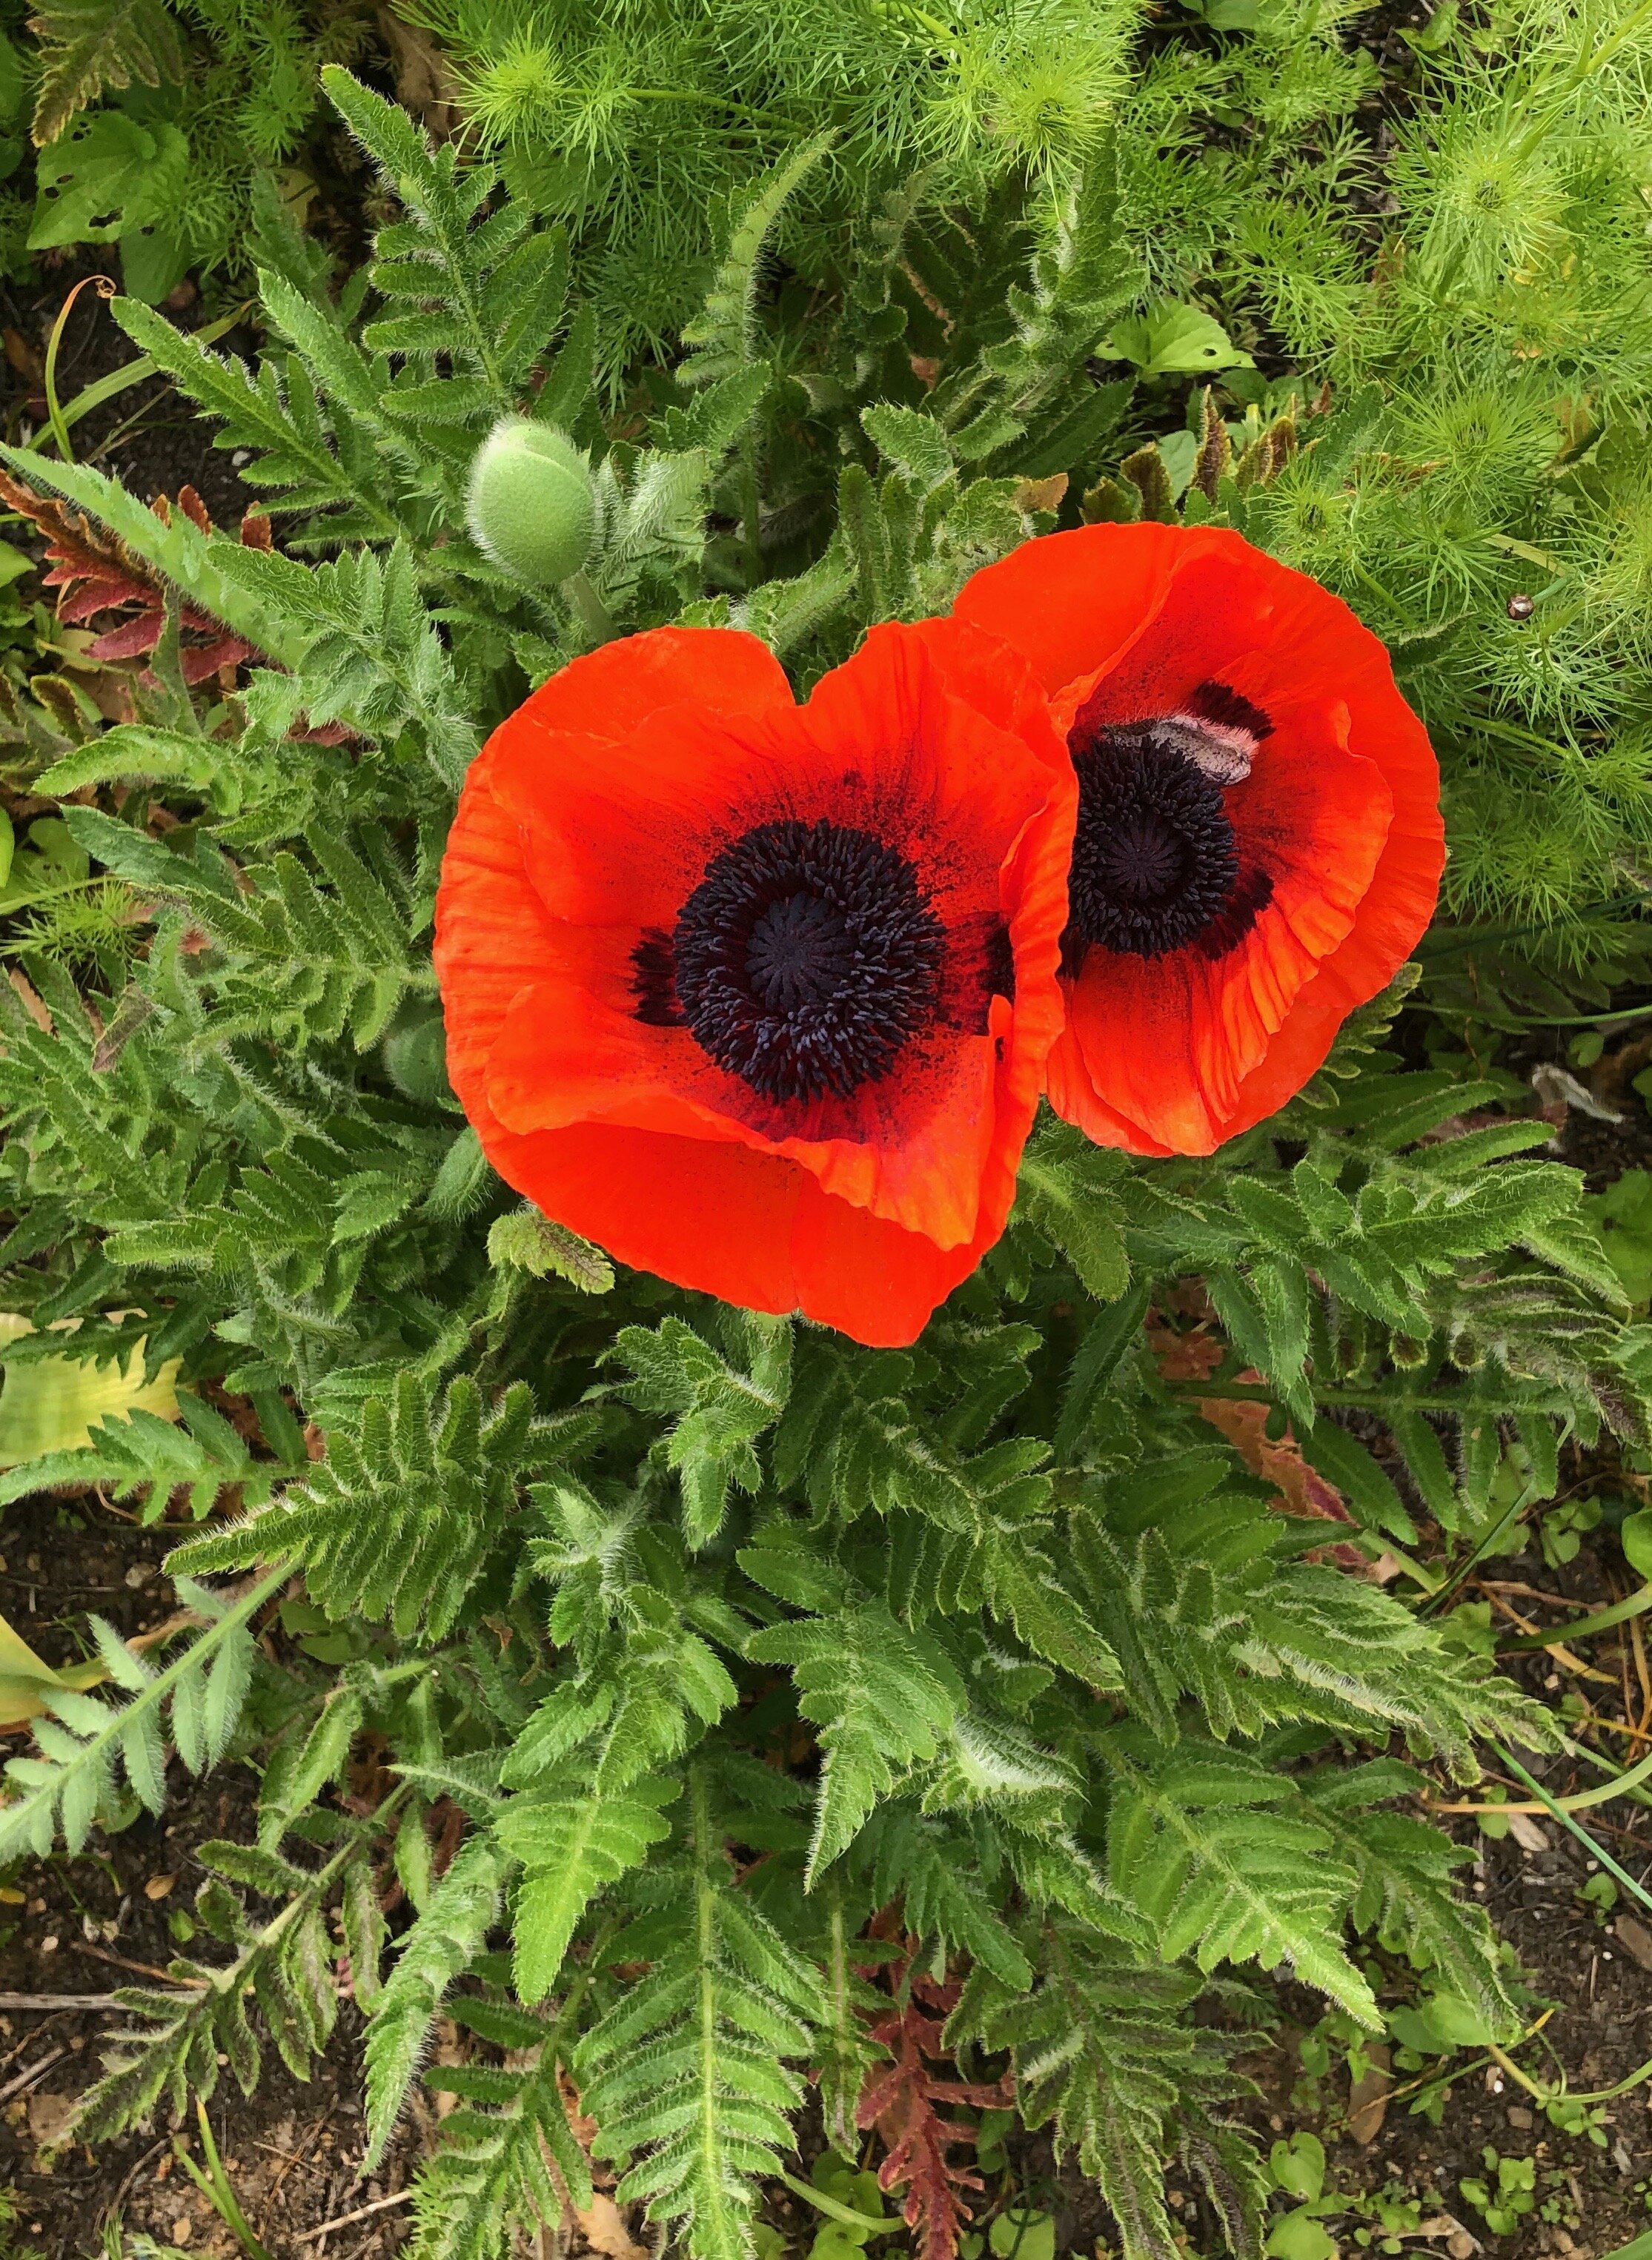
x,y
530,506
415,1054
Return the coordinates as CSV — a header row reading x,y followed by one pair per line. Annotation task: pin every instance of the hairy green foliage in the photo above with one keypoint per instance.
x,y
491,2166
400,1519
204,102
642,127
285,1964
450,1934
1104,2052
692,2067
87,1747
714,1670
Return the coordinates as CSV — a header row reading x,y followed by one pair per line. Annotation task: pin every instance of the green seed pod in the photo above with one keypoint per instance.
x,y
530,506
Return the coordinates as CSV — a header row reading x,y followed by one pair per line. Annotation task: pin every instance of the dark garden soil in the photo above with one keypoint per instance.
x,y
75,1930
147,435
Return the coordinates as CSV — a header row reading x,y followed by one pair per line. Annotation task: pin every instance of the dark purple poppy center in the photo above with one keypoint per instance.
x,y
806,959
1155,859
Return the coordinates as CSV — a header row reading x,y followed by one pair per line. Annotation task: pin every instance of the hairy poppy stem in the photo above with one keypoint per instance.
x,y
589,608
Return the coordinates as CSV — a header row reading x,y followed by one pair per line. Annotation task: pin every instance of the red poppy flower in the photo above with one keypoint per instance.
x,y
757,995
1259,841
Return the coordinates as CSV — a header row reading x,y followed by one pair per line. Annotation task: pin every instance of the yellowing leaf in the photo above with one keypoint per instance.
x,y
53,1405
24,1676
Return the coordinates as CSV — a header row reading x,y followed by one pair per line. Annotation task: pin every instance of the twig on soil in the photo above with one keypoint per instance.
x,y
1639,1671
1550,1644
111,2211
37,2070
290,2158
1614,1726
344,2220
143,1969
58,2001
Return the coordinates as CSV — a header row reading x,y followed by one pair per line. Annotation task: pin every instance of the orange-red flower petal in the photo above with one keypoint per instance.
x,y
641,1045
1336,839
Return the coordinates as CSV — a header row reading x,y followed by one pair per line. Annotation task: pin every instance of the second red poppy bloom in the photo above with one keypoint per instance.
x,y
759,996
1259,843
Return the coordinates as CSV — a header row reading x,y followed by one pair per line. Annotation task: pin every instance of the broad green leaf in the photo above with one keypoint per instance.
x,y
1169,339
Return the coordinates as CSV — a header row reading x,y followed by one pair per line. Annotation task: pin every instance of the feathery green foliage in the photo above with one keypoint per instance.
x,y
204,102
724,1668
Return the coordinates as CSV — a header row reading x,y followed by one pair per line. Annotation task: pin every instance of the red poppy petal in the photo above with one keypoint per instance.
x,y
613,805
868,1277
1392,917
492,940
1071,1090
1225,612
915,1148
612,691
749,1228
1073,603
1395,912
1168,1041
619,832
569,1049
965,723
570,844
1296,650
1127,623
716,1217
562,1055
897,661
1315,818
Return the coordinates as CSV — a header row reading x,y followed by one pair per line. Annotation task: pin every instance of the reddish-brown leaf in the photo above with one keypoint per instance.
x,y
902,2098
93,572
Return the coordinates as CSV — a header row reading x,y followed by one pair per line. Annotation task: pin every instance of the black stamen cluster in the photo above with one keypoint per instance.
x,y
807,958
1154,860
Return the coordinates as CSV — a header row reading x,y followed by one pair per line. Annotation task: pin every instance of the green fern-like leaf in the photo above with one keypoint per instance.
x,y
571,1841
1104,2052
488,2175
721,1409
87,1747
448,1936
724,335
285,1965
399,1519
1197,1841
882,1697
690,2072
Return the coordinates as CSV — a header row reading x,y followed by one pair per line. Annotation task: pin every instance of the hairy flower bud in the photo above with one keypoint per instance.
x,y
415,1054
530,505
